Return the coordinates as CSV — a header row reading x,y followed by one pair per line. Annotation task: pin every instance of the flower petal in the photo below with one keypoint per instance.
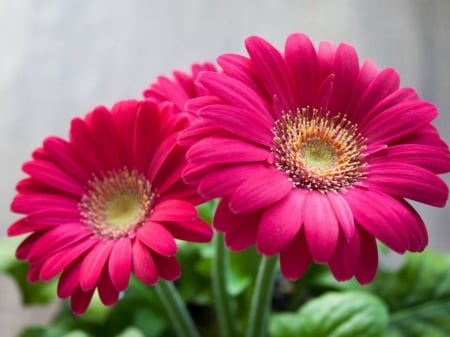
x,y
106,290
193,231
144,266
321,226
280,223
408,181
80,300
368,260
168,267
345,260
173,210
261,190
119,264
157,238
295,258
93,264
343,214
69,280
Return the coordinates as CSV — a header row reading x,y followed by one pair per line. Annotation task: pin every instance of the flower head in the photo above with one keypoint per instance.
x,y
108,202
315,156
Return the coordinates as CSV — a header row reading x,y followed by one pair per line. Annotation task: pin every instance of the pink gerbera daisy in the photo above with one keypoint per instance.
x,y
108,202
315,156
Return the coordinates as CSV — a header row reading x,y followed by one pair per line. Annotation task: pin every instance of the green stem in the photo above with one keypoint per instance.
x,y
176,310
261,298
219,287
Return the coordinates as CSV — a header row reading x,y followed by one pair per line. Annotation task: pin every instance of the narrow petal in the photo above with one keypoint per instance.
x,y
29,203
192,231
225,220
226,150
379,222
119,265
225,179
106,290
161,154
157,238
240,122
173,210
343,214
301,58
259,191
80,301
321,226
345,260
273,71
69,280
55,216
23,226
93,264
241,237
295,258
280,223
368,260
144,266
408,181
168,267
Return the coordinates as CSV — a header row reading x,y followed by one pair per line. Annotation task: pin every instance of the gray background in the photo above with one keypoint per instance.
x,y
58,59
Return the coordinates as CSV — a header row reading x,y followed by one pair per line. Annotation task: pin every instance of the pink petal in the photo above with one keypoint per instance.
x,y
24,248
321,226
51,175
295,258
368,261
408,181
157,238
225,150
379,222
261,190
280,223
144,266
382,86
168,267
170,173
343,214
80,301
63,154
161,154
69,280
366,75
23,226
192,231
106,290
416,229
274,73
225,179
55,216
241,237
241,122
119,264
195,104
345,260
93,264
235,93
28,203
173,210
325,56
301,58
225,220
398,121
56,263
429,157
345,69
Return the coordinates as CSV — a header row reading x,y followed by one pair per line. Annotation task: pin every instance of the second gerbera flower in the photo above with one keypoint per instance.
x,y
315,156
108,202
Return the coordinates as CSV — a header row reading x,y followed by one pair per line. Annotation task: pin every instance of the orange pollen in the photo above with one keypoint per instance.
x,y
116,203
318,152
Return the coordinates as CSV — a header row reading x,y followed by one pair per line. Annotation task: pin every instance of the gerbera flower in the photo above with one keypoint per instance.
x,y
107,202
315,156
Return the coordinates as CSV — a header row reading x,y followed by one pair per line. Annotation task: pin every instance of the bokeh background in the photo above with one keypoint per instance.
x,y
59,59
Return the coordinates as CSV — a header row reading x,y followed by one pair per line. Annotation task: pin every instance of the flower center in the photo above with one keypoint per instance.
x,y
117,203
318,152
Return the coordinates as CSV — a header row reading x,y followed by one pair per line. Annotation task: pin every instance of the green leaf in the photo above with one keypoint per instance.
x,y
418,296
334,314
31,293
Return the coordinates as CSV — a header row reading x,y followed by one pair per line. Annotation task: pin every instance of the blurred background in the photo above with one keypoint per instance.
x,y
59,59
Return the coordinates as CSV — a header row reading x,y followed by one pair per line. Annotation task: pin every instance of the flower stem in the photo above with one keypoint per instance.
x,y
176,310
262,294
219,287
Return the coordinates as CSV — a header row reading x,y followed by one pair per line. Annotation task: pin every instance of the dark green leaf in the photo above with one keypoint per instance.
x,y
335,314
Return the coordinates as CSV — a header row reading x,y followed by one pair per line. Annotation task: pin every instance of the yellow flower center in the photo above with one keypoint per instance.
x,y
318,152
117,203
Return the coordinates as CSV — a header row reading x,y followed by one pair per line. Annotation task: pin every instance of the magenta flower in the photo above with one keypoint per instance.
x,y
315,156
108,202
